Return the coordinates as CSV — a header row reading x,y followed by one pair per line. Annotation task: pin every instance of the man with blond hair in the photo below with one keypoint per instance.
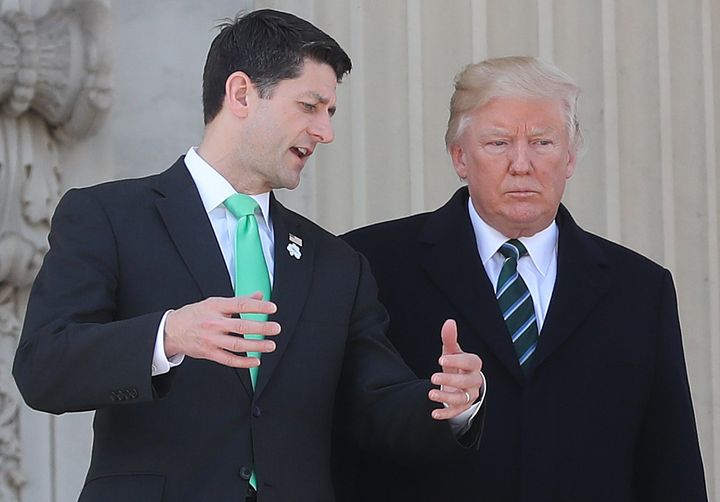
x,y
588,397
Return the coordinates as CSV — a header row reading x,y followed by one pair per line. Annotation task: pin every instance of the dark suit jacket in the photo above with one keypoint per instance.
x,y
123,253
605,414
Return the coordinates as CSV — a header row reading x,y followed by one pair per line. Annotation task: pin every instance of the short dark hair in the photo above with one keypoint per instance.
x,y
269,46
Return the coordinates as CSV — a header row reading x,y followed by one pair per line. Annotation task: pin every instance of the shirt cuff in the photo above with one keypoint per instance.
x,y
460,424
162,364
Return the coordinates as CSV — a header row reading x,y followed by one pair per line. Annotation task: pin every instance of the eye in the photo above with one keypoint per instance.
x,y
308,107
544,142
495,145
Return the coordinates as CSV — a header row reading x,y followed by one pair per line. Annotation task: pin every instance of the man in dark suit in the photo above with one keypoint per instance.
x,y
134,315
588,396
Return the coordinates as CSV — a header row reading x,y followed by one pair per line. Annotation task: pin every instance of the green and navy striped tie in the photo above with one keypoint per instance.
x,y
516,304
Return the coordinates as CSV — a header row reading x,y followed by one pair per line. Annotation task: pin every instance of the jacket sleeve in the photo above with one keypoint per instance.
x,y
73,354
386,405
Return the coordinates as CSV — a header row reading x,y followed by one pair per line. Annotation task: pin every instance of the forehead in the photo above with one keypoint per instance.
x,y
513,112
316,81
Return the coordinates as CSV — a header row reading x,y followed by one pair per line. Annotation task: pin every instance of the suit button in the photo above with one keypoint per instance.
x,y
256,412
245,473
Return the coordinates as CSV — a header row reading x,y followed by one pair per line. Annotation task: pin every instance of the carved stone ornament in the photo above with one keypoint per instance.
x,y
54,88
58,67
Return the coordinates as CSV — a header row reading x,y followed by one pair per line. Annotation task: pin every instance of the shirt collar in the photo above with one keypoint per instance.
x,y
541,246
214,189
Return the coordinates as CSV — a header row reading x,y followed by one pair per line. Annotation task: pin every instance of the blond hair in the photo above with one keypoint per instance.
x,y
514,76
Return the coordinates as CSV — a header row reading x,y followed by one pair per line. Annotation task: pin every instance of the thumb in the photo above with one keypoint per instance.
x,y
449,333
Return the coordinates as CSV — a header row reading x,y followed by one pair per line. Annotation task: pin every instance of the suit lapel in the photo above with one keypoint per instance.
x,y
292,279
582,280
184,215
187,223
452,258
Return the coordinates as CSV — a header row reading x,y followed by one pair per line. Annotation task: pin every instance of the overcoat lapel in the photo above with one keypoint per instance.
x,y
291,284
582,280
184,215
451,260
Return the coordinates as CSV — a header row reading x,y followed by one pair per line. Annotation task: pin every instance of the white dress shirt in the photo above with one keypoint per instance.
x,y
538,268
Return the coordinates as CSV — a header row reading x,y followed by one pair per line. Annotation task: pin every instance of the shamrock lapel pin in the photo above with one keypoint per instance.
x,y
294,247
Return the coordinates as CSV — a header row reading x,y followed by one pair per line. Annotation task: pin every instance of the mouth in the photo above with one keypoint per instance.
x,y
521,193
301,152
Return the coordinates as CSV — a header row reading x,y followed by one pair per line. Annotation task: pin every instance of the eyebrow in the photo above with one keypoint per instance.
x,y
321,99
499,131
494,131
543,131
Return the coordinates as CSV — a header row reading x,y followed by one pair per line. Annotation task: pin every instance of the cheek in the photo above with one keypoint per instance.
x,y
557,183
479,166
485,187
488,175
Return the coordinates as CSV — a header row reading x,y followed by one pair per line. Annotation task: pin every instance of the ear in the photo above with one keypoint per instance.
x,y
457,154
238,88
570,167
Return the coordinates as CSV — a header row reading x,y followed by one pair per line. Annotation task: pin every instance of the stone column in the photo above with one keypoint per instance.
x,y
54,89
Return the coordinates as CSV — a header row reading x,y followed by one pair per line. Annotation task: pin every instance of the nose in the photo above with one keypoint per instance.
x,y
322,130
519,157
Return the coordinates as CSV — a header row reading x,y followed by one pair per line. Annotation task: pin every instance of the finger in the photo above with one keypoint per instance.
x,y
241,344
447,413
452,399
243,304
448,334
463,361
244,326
233,360
457,380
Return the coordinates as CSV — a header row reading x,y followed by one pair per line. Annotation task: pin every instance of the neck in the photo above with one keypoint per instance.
x,y
226,164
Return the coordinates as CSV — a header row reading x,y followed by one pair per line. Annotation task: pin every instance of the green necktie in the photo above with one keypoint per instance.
x,y
251,273
516,304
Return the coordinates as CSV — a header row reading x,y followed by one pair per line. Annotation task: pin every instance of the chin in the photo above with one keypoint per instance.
x,y
531,222
522,212
290,184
